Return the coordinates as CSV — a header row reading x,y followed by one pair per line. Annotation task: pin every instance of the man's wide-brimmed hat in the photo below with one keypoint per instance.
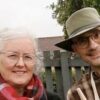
x,y
78,23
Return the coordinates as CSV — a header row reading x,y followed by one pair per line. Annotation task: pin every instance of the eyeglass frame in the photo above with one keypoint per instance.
x,y
82,41
18,56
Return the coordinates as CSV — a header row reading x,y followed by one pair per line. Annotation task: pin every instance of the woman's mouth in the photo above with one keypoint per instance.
x,y
19,72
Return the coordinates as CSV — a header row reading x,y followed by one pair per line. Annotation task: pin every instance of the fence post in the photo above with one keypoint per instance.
x,y
48,64
65,71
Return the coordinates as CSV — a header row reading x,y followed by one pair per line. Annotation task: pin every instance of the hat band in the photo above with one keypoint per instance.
x,y
82,29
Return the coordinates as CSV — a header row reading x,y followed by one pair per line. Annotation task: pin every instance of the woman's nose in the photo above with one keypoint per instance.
x,y
20,62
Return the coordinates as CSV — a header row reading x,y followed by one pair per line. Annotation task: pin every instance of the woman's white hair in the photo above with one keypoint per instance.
x,y
14,33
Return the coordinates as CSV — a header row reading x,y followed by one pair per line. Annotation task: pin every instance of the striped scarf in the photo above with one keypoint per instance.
x,y
88,88
33,91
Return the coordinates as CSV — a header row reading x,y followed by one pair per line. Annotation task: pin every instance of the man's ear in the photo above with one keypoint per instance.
x,y
74,48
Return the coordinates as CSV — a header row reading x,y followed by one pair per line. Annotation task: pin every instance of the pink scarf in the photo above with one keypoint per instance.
x,y
33,91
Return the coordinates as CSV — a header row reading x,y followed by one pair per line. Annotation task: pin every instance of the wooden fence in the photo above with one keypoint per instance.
x,y
58,71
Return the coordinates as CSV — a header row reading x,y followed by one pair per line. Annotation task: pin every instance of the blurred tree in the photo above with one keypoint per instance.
x,y
64,8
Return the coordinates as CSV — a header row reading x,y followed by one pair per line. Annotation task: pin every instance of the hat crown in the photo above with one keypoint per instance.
x,y
81,18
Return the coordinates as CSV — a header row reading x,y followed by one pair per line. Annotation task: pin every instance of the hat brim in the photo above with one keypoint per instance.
x,y
66,44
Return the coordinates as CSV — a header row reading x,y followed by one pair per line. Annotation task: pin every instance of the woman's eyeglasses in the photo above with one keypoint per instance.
x,y
13,57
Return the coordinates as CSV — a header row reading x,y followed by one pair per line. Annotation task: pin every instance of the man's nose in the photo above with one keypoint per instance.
x,y
92,43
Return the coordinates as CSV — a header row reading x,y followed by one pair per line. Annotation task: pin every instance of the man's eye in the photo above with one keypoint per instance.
x,y
96,35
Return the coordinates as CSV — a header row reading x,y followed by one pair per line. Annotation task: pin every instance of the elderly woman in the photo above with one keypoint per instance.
x,y
17,67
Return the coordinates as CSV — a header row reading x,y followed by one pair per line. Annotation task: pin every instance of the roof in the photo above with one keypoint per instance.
x,y
48,43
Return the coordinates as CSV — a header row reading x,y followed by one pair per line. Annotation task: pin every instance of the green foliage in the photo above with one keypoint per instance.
x,y
64,8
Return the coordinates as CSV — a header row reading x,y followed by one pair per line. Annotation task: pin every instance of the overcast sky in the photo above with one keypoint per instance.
x,y
32,14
